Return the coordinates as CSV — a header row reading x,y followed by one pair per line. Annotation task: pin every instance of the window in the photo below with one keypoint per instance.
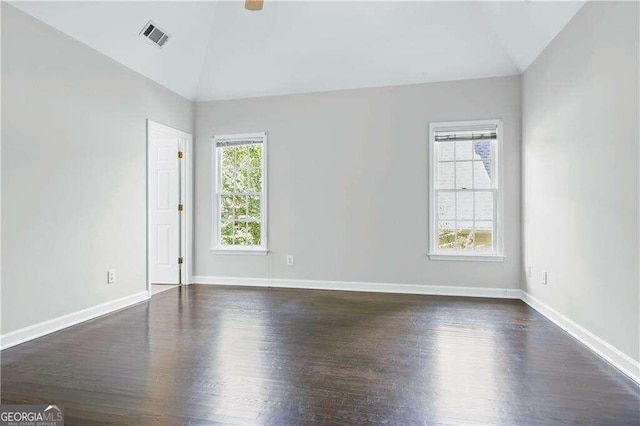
x,y
240,184
466,190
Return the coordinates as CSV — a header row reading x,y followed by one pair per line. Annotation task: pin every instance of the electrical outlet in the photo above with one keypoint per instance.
x,y
290,260
111,276
529,271
544,277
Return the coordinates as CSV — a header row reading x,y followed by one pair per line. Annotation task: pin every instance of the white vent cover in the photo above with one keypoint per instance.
x,y
154,34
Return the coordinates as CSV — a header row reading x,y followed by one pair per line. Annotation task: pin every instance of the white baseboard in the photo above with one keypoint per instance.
x,y
614,356
37,330
618,359
434,290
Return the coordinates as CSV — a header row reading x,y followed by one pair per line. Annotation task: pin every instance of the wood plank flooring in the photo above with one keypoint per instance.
x,y
207,355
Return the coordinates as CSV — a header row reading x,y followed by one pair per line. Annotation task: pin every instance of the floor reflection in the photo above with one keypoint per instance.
x,y
465,375
205,354
237,361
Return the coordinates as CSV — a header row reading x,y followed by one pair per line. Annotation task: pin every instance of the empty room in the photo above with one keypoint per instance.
x,y
271,212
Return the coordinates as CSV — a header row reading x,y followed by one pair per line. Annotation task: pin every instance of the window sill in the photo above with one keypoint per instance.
x,y
245,252
467,257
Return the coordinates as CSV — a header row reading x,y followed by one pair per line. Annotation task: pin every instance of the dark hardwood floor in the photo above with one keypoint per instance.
x,y
204,354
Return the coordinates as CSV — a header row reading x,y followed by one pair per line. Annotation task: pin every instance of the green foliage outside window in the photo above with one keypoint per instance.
x,y
241,195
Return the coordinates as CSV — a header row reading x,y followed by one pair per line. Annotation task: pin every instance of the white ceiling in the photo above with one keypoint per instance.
x,y
219,50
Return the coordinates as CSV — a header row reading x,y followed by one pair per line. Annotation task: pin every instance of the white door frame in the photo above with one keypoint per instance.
x,y
158,130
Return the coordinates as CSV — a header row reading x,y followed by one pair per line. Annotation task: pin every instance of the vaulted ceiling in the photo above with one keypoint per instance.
x,y
219,50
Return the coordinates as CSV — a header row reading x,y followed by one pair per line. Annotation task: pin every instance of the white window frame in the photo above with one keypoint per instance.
x,y
216,168
434,253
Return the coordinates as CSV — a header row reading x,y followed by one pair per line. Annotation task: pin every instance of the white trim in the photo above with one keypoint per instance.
x,y
497,163
435,290
250,252
215,189
158,130
466,257
189,211
614,356
37,330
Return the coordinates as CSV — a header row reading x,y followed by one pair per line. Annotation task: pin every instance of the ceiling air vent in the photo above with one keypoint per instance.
x,y
154,34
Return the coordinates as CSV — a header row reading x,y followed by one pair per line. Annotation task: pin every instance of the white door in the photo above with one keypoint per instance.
x,y
164,197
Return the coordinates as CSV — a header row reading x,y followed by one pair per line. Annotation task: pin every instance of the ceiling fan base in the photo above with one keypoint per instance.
x,y
253,4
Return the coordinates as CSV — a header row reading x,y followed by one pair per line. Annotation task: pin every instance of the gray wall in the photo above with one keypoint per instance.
x,y
580,142
348,188
73,172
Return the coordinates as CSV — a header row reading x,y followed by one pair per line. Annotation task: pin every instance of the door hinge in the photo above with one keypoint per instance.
x,y
180,154
180,260
180,207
